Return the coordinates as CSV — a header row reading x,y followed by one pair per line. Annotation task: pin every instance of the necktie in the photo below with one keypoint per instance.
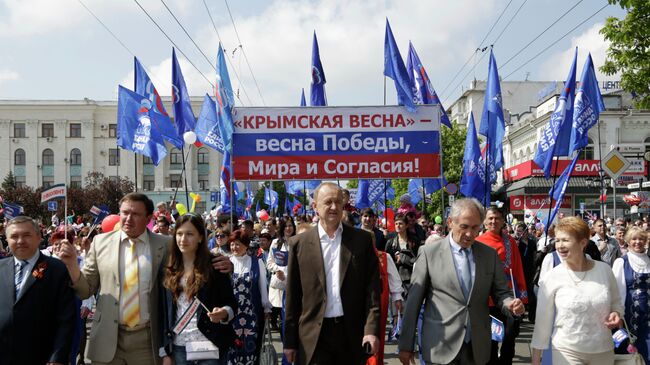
x,y
130,292
18,277
466,273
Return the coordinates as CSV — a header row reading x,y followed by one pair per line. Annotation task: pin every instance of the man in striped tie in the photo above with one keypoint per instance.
x,y
36,301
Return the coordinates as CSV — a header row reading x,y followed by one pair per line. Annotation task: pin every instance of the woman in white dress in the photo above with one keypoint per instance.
x,y
279,269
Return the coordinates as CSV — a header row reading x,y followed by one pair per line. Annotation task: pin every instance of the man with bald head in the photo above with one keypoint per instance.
x,y
332,295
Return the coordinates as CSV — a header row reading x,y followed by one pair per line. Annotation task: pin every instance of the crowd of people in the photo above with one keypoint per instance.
x,y
168,289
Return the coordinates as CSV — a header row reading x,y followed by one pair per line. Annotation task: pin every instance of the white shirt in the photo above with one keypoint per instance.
x,y
143,250
580,309
331,249
27,270
394,280
242,265
640,263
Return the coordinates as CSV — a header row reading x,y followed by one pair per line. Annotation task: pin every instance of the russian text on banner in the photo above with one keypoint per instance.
x,y
53,192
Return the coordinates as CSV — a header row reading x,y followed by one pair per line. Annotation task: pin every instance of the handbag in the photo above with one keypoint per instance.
x,y
268,356
201,350
629,359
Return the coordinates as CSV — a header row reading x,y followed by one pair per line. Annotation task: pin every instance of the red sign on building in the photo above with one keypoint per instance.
x,y
537,201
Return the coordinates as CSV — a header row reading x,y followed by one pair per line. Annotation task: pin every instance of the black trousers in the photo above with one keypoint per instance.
x,y
334,346
508,345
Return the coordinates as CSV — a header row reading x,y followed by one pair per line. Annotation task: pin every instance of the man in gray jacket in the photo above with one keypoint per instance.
x,y
456,276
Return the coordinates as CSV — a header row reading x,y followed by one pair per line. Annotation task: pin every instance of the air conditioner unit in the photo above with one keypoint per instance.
x,y
103,127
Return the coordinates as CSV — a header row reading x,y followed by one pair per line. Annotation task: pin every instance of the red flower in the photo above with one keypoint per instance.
x,y
39,271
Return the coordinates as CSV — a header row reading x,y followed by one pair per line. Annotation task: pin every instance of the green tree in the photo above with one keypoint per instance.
x,y
9,182
629,51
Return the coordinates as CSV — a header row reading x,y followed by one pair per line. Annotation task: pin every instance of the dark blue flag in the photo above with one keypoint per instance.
x,y
183,114
395,69
227,188
555,137
207,126
318,81
588,105
493,126
225,100
144,86
371,191
139,127
12,210
473,183
250,196
303,102
271,198
417,187
422,88
557,192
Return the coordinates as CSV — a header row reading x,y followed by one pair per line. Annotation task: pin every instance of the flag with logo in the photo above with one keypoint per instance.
x,y
140,127
422,89
225,100
554,140
207,129
557,192
395,69
12,210
370,192
473,183
271,197
588,105
183,114
493,125
228,189
318,81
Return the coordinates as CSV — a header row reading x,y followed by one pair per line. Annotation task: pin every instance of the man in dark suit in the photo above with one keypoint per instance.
x,y
368,223
332,295
36,301
454,278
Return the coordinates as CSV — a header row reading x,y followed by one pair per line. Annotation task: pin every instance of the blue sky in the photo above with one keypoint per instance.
x,y
57,50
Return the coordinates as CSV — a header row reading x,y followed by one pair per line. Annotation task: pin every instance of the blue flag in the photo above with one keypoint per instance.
x,y
318,81
557,192
417,187
225,100
99,212
303,102
422,89
139,127
227,189
493,126
294,187
271,197
183,114
473,183
370,192
395,69
555,138
144,86
588,105
250,196
12,210
207,127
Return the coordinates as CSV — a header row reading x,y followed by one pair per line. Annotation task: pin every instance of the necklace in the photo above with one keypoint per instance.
x,y
573,274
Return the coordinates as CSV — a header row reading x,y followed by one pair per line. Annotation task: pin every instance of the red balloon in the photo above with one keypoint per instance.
x,y
390,220
198,143
109,222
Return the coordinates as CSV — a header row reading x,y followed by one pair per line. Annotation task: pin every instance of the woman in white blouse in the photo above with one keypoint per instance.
x,y
277,285
250,289
584,297
632,272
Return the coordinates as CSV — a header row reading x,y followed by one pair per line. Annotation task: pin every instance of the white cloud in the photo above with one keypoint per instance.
x,y
591,41
8,75
160,75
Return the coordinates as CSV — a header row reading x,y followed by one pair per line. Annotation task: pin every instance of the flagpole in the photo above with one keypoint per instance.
x,y
304,187
135,160
232,190
488,175
603,202
187,194
176,188
424,199
385,201
550,204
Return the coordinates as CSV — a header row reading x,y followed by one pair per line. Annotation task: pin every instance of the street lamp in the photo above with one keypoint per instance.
x,y
602,181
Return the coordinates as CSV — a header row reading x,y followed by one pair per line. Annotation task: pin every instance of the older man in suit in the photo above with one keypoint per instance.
x,y
456,275
36,301
125,264
332,295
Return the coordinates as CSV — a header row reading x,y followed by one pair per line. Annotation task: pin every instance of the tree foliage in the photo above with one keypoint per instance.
x,y
629,51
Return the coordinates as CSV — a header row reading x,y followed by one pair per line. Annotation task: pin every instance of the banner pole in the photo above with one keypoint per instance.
x,y
187,194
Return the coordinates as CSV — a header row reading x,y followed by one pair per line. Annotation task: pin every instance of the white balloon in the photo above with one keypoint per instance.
x,y
189,137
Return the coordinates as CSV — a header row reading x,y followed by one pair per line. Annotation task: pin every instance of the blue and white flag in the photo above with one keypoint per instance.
x,y
99,212
557,192
493,125
371,191
12,210
227,188
207,130
418,187
225,100
183,114
318,81
497,329
140,127
555,137
395,69
473,182
144,87
271,197
422,89
588,105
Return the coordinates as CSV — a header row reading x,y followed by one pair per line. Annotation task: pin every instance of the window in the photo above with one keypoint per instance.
x,y
175,181
19,130
113,157
47,130
48,181
588,152
75,157
75,130
204,182
75,182
148,182
202,156
19,157
20,181
146,160
48,157
112,130
175,156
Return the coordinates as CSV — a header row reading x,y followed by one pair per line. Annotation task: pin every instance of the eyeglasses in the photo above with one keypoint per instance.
x,y
221,236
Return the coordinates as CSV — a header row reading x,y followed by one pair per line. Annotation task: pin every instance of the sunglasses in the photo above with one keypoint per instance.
x,y
221,236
